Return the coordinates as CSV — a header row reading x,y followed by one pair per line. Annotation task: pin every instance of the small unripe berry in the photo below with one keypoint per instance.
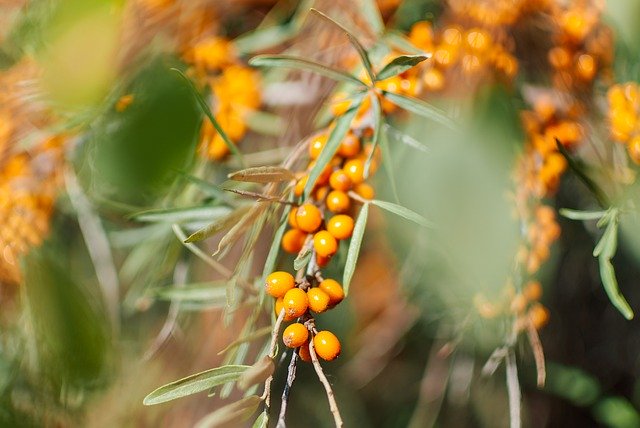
x,y
327,345
278,283
333,289
340,226
295,303
295,335
325,244
318,300
308,218
338,201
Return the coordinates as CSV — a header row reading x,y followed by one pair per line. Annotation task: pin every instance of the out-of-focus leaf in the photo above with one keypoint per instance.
x,y
402,212
421,108
405,138
207,111
342,125
250,337
239,228
616,412
218,225
400,64
377,127
572,384
398,40
371,12
263,174
608,276
354,247
257,373
179,215
290,61
195,383
208,292
262,421
270,262
230,415
581,215
264,123
362,52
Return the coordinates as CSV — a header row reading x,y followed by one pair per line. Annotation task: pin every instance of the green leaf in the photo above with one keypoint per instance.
x,y
270,262
207,111
262,421
290,61
399,41
405,139
608,276
231,414
179,215
218,225
364,57
342,125
371,13
581,215
263,38
208,292
607,245
302,259
403,212
195,383
421,108
387,162
265,123
377,125
354,247
399,65
257,373
263,174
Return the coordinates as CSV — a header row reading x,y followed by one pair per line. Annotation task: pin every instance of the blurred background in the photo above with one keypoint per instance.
x,y
107,163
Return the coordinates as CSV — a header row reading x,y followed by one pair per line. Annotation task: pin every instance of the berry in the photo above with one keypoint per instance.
x,y
308,218
327,345
634,149
533,291
295,303
293,241
291,218
339,180
325,244
349,147
333,289
365,190
321,260
340,226
303,352
337,201
295,335
278,305
316,146
318,300
278,283
298,190
354,168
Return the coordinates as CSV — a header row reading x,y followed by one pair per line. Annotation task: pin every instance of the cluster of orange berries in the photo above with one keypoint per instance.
x,y
542,231
583,46
461,55
524,305
297,300
623,116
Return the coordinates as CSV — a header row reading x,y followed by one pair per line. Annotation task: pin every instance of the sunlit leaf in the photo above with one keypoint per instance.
x,y
231,414
342,125
354,247
402,212
195,383
421,108
207,111
297,63
263,174
399,65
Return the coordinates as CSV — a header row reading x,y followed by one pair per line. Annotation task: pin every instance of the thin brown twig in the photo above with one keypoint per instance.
x,y
260,197
333,406
538,353
266,395
291,376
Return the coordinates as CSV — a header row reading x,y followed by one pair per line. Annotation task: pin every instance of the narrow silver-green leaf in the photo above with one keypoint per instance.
x,y
402,212
217,225
400,64
608,238
302,259
257,373
207,111
207,292
262,421
405,139
581,215
399,41
231,414
342,125
263,174
354,247
387,162
270,262
195,383
608,276
371,13
298,63
377,125
362,52
179,215
421,108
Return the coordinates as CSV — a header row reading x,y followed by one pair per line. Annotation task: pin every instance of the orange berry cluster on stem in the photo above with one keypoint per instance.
x,y
623,117
299,304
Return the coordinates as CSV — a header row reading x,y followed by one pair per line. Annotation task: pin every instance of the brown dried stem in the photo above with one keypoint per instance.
x,y
266,395
333,406
291,376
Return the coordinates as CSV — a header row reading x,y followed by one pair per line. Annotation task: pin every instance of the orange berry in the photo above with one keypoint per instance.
x,y
433,79
308,218
533,291
318,300
354,168
303,352
586,67
295,303
278,305
327,345
298,190
325,244
452,36
333,289
338,201
321,193
295,335
478,40
293,241
323,178
316,145
291,218
559,57
321,260
340,226
217,149
278,283
518,304
633,148
365,190
339,180
350,146
539,315
445,56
